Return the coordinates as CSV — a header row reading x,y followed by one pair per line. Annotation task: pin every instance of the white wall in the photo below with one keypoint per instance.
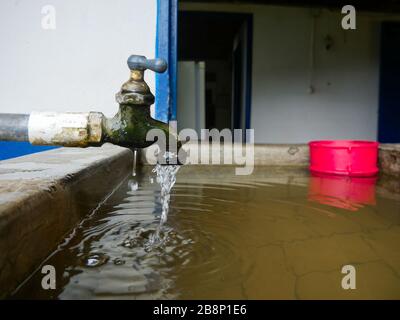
x,y
81,64
191,96
346,78
344,104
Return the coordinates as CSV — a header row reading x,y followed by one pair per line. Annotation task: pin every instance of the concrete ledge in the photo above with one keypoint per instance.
x,y
293,155
44,195
281,155
264,154
389,159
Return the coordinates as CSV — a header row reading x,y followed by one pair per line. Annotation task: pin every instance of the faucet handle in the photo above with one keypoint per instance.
x,y
136,62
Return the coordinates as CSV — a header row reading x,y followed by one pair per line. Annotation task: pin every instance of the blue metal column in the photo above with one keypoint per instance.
x,y
166,47
173,59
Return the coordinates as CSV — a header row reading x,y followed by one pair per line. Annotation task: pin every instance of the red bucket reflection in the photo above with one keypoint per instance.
x,y
350,193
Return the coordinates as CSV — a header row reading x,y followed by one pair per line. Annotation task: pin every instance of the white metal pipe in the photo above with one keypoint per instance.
x,y
71,129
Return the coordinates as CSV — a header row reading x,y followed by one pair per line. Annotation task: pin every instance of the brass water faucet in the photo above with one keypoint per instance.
x,y
128,128
130,125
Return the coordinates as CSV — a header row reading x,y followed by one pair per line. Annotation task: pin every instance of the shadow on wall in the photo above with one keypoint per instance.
x,y
17,149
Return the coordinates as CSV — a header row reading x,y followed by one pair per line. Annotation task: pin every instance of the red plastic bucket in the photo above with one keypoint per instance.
x,y
344,157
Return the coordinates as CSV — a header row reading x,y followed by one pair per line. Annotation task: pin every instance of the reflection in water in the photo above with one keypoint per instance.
x,y
230,237
349,193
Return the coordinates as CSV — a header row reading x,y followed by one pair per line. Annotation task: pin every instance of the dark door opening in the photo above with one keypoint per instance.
x,y
223,42
389,95
237,86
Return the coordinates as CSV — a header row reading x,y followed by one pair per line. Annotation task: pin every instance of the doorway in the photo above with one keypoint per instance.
x,y
389,95
220,45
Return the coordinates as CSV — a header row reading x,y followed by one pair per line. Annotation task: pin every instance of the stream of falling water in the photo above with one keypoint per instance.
x,y
166,178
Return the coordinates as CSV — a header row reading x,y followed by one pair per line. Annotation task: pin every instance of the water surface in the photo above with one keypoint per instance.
x,y
276,234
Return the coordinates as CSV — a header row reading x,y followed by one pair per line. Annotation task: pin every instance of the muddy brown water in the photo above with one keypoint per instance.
x,y
277,234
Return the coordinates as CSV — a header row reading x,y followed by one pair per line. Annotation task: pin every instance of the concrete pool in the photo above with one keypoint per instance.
x,y
270,235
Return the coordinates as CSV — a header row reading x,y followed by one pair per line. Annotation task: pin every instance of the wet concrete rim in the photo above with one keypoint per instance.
x,y
44,195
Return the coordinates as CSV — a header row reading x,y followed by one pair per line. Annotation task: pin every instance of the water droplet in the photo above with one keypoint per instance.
x,y
133,185
95,260
128,243
118,261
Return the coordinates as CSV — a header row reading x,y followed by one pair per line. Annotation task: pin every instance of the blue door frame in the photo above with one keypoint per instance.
x,y
166,47
389,89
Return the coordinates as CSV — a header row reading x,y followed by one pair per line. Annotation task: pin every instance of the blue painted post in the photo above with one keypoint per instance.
x,y
166,47
162,51
173,36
